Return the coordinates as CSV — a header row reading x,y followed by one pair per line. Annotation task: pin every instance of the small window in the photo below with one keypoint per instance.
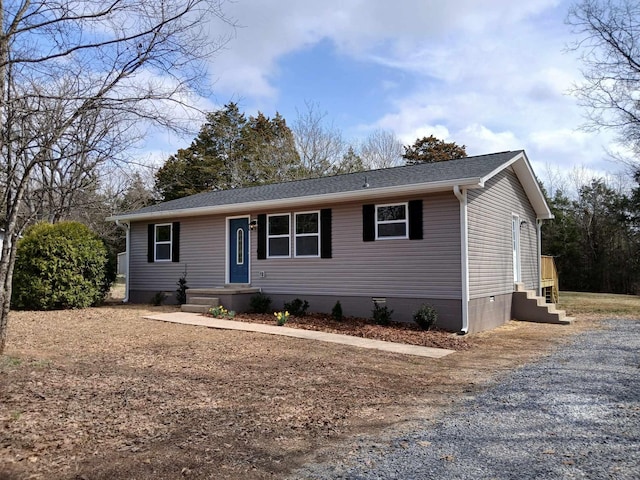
x,y
278,236
392,221
240,247
162,243
307,237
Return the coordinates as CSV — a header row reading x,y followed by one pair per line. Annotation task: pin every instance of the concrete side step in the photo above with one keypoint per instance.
x,y
527,306
520,287
211,301
191,308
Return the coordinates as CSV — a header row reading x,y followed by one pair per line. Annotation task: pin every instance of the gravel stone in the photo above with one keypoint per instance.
x,y
572,415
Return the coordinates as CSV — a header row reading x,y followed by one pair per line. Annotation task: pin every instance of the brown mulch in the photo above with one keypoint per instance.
x,y
398,332
101,393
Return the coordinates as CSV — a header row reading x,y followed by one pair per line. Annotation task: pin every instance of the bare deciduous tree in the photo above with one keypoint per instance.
x,y
609,32
320,145
381,149
74,76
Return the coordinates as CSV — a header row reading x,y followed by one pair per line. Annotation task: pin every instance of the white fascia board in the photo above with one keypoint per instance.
x,y
527,178
365,193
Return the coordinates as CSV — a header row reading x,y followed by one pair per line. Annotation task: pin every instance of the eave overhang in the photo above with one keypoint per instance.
x,y
368,193
522,168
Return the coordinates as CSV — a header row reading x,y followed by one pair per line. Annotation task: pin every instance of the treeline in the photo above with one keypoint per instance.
x,y
235,150
595,237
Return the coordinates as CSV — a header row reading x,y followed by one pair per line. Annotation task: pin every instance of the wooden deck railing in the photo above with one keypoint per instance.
x,y
549,280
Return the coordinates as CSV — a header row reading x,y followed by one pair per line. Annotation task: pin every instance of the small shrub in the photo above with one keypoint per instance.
x,y
297,307
158,298
221,312
336,312
281,318
381,314
181,292
426,317
260,303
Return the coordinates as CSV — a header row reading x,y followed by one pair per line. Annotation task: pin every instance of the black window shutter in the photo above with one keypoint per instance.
x,y
415,220
368,223
262,236
325,233
175,242
150,242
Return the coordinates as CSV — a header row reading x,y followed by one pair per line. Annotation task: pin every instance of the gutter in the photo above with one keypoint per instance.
x,y
127,228
461,195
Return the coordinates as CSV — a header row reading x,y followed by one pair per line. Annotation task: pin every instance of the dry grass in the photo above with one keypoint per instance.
x,y
600,304
101,393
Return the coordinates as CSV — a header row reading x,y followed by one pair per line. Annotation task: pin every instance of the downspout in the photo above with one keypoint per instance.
x,y
539,233
127,228
461,195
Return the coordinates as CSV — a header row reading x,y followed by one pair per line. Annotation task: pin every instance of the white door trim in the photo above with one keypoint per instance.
x,y
515,242
227,248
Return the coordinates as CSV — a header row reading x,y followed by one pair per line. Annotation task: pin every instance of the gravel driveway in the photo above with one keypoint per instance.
x,y
574,414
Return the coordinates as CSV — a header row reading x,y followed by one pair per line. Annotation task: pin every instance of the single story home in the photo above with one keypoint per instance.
x,y
461,235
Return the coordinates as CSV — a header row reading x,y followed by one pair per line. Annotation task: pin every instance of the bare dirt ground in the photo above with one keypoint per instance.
x,y
102,393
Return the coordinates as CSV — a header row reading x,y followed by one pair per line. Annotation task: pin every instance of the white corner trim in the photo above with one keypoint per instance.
x,y
127,249
461,195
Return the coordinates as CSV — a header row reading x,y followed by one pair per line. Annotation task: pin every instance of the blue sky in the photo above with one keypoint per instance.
x,y
493,75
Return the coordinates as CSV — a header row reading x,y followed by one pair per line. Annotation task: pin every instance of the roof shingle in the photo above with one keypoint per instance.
x,y
465,168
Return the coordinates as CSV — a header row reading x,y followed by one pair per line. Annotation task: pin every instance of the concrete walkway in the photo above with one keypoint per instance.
x,y
197,319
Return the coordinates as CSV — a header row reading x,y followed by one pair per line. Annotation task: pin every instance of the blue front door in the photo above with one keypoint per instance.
x,y
239,250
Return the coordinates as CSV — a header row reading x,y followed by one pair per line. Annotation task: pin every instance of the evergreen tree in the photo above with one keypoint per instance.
x,y
431,149
231,151
351,163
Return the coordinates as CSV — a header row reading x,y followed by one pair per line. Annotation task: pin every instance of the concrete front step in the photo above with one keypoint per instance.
x,y
223,290
527,306
194,308
211,301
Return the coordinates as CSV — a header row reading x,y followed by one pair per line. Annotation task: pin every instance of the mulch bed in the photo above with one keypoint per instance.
x,y
361,327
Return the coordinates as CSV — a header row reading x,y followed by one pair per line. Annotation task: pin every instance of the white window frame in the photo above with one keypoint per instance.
x,y
389,222
296,235
287,236
157,242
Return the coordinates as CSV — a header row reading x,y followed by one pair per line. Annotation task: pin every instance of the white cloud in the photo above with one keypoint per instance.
x,y
407,28
492,75
479,139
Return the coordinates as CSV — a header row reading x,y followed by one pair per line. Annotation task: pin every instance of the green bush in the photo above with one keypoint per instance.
x,y
297,307
426,317
336,312
381,314
158,299
260,303
58,266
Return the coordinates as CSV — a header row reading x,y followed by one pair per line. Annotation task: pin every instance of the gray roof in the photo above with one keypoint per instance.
x,y
466,168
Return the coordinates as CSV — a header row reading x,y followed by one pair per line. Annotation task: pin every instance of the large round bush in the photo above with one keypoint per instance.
x,y
64,265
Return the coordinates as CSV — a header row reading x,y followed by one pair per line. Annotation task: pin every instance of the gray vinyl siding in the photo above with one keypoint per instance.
x,y
202,252
427,268
490,212
400,268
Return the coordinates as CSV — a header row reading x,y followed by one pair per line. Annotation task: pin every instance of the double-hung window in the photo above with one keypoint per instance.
x,y
392,221
278,235
162,242
307,234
